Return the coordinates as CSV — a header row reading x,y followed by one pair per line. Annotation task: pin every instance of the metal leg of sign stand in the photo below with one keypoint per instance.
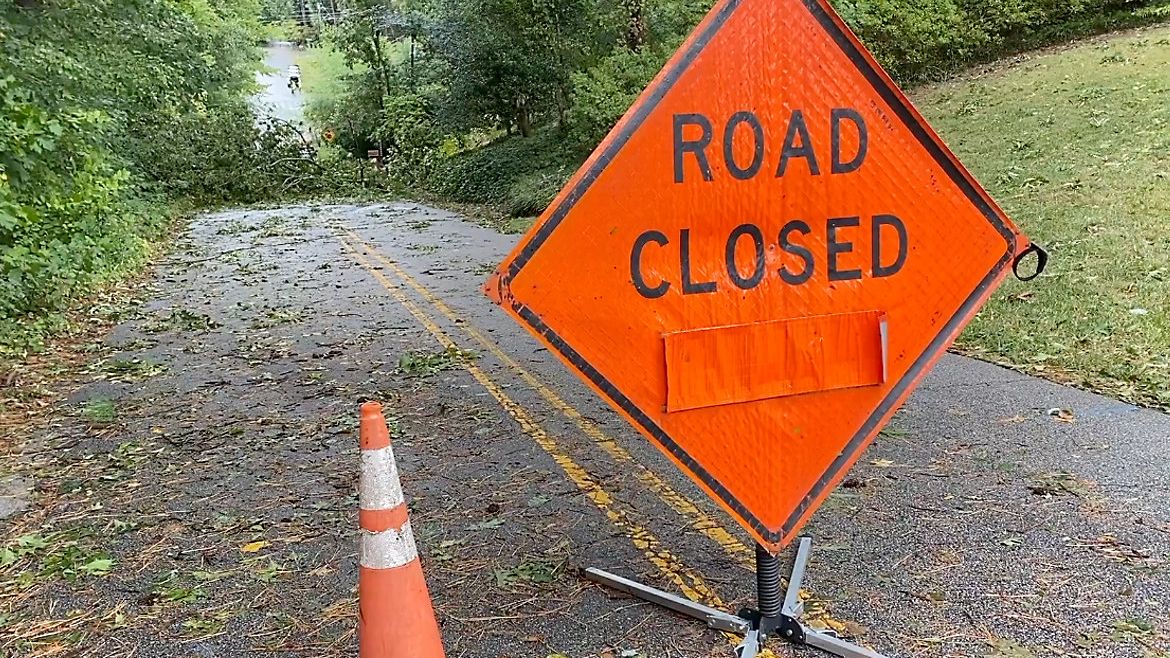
x,y
776,617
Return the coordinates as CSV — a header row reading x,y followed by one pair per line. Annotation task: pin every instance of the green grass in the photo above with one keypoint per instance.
x,y
324,70
1075,144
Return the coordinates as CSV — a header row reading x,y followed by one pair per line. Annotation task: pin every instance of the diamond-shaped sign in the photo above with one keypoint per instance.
x,y
762,259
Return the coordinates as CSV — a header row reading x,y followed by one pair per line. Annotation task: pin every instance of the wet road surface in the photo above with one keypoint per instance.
x,y
224,489
276,98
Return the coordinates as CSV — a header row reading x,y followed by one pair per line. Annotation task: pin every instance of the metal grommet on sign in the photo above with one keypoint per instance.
x,y
1041,262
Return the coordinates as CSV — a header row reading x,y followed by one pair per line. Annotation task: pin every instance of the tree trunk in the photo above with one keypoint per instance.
x,y
523,118
381,61
636,30
412,79
563,106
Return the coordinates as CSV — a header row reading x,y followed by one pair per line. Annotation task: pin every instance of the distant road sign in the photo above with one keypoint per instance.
x,y
762,259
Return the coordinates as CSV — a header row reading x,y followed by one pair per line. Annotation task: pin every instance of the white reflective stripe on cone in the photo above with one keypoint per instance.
x,y
380,488
388,549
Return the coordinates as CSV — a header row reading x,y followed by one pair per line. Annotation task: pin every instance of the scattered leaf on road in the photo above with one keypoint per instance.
x,y
1009,649
487,525
97,567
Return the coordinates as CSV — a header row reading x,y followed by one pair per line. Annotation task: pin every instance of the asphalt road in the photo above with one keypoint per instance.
x,y
275,97
223,489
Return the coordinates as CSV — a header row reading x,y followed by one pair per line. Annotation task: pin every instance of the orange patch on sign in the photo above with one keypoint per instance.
x,y
727,365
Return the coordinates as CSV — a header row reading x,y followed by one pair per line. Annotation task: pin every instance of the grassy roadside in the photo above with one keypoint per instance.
x,y
1075,144
324,70
146,227
40,351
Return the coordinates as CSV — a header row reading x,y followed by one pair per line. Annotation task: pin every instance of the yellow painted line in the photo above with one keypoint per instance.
x,y
690,582
698,519
667,563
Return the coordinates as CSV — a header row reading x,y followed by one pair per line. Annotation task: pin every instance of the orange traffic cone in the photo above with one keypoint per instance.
x,y
395,615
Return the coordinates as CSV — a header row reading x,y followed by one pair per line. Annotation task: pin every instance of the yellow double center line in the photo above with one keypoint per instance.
x,y
690,582
698,519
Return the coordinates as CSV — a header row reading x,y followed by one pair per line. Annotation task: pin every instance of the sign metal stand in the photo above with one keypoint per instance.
x,y
776,617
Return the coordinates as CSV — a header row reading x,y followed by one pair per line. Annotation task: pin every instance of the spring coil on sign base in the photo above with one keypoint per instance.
x,y
768,582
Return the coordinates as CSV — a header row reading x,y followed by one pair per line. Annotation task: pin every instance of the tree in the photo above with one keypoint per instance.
x,y
108,109
510,61
637,29
278,10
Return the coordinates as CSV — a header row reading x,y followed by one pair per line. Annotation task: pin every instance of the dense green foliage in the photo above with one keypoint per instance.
x,y
535,168
924,39
496,101
110,113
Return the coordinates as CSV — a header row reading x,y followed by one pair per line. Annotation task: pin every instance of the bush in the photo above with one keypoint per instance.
x,y
914,38
412,139
531,194
519,175
602,93
67,218
918,40
347,102
488,174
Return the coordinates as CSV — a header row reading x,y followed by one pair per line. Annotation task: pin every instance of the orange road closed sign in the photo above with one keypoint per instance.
x,y
762,259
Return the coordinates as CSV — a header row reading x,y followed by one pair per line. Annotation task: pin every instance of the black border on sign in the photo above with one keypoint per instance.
x,y
648,103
